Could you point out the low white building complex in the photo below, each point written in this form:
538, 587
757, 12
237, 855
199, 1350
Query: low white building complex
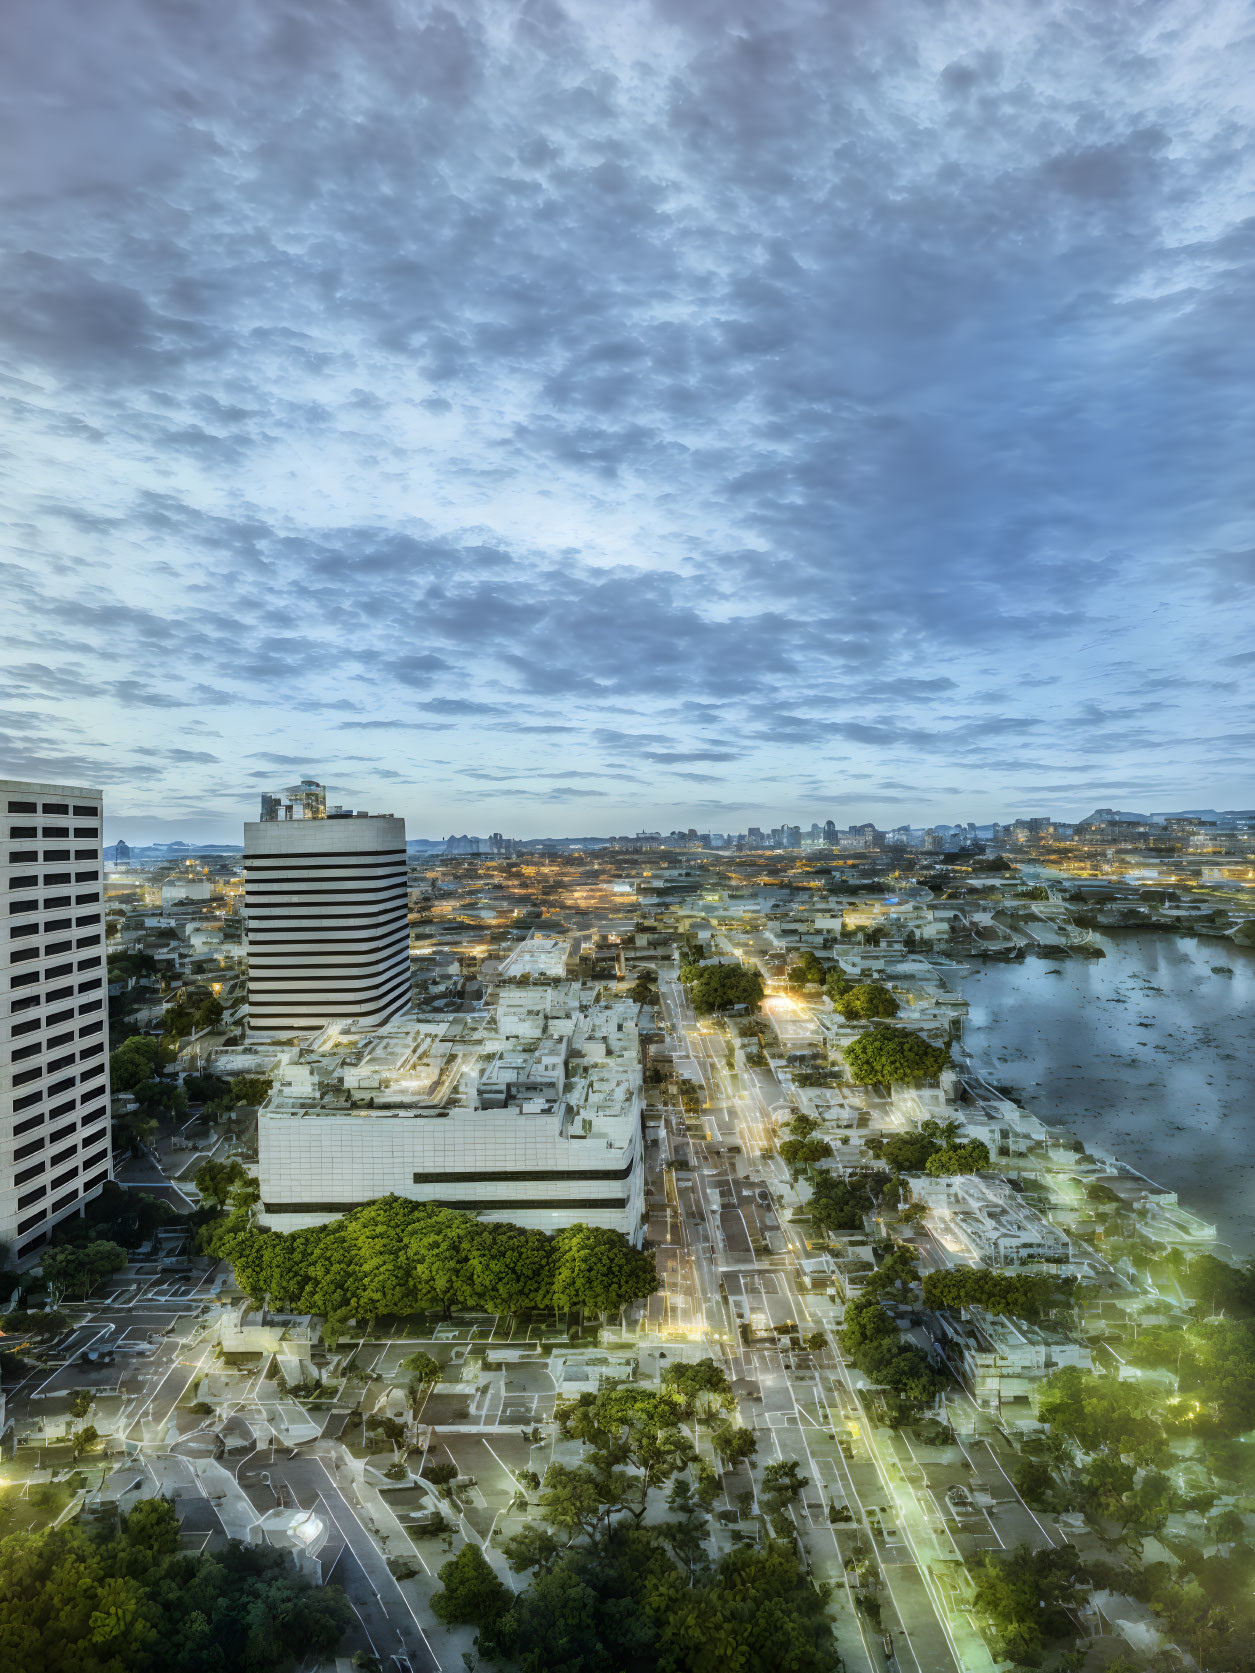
978, 1220
529, 1113
1001, 1359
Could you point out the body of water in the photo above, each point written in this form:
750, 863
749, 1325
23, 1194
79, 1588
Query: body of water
1147, 1054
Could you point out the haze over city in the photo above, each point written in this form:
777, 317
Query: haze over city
554, 419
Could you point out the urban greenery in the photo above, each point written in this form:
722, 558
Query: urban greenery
1023, 1295
865, 1002
613, 1593
72, 1601
1025, 1596
723, 987
399, 1257
893, 1056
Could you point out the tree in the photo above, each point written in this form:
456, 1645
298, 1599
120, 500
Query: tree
908, 1152
627, 1429
808, 968
702, 1386
865, 1002
423, 1369
1025, 1595
440, 1474
893, 1056
960, 1158
39, 1324
132, 967
1035, 1483
1105, 1481
204, 1089
216, 1180
838, 1204
836, 983
723, 987
160, 1099
136, 1060
530, 1548
800, 1154
1022, 1295
732, 1443
75, 1601
644, 990
1101, 1414
250, 1090
397, 1256
208, 1013
77, 1271
782, 1483
622, 1602
599, 1271
472, 1592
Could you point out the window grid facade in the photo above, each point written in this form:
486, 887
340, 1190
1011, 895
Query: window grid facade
54, 1073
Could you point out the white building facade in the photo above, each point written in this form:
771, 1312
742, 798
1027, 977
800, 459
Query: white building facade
54, 1070
328, 931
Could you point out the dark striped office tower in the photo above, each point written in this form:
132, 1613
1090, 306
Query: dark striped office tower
54, 1073
328, 934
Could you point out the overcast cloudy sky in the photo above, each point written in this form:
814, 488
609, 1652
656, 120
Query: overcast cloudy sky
562, 415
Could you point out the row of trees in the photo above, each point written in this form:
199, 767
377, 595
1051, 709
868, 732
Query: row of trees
1023, 1295
394, 1256
76, 1602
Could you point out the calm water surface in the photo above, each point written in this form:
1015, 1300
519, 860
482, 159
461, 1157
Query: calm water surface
1146, 1054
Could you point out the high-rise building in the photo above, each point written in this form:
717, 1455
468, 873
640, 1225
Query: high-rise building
328, 931
54, 1075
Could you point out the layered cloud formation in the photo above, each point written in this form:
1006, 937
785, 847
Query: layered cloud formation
548, 417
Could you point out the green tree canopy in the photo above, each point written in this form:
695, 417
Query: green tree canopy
865, 1002
958, 1158
250, 1090
702, 1386
72, 1601
807, 968
217, 1181
838, 1205
203, 1089
472, 1592
1022, 1295
1025, 1596
1102, 1414
75, 1270
893, 1056
402, 1257
136, 1060
721, 987
800, 1154
622, 1602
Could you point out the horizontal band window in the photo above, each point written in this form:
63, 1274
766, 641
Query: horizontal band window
471, 1206
542, 1176
316, 857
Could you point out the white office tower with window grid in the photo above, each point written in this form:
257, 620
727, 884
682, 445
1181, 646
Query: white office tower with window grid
328, 932
54, 1077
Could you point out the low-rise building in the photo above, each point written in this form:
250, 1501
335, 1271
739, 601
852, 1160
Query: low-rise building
531, 1114
1000, 1359
976, 1219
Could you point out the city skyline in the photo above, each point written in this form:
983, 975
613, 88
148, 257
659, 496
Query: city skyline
548, 421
